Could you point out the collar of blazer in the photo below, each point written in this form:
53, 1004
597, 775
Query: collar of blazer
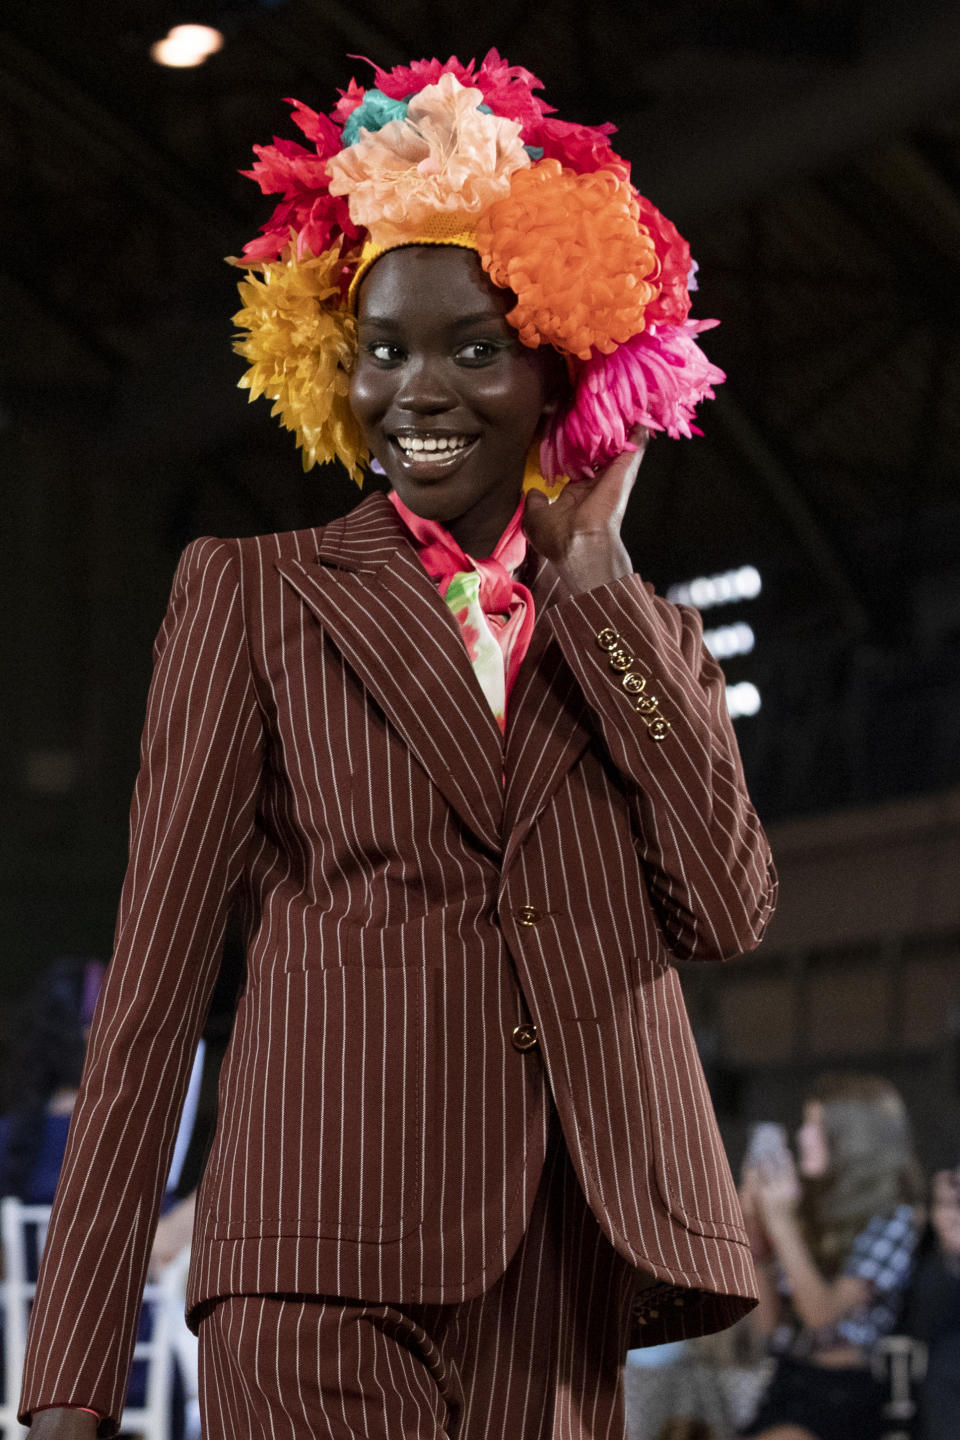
378, 605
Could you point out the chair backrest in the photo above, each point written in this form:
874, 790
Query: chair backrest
23, 1229
899, 1362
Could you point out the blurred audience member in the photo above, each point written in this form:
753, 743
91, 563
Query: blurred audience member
834, 1237
934, 1312
683, 1428
44, 1077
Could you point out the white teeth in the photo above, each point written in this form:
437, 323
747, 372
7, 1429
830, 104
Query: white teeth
447, 444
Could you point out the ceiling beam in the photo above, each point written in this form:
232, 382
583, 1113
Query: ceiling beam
693, 175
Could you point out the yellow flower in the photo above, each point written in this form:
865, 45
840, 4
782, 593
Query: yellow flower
300, 342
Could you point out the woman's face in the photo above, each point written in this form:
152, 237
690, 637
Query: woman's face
813, 1157
448, 398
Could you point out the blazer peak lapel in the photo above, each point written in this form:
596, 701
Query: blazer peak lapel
547, 720
376, 602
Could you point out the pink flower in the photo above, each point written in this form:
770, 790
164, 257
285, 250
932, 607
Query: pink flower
404, 80
672, 305
507, 89
348, 102
318, 128
656, 379
300, 177
582, 148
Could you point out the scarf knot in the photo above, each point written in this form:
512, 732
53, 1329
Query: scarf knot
494, 611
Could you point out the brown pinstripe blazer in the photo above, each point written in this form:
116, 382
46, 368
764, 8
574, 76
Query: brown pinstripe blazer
317, 747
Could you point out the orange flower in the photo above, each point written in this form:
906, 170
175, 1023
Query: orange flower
572, 249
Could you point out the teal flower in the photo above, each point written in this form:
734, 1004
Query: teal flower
376, 111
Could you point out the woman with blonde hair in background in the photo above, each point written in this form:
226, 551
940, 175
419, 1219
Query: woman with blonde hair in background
834, 1237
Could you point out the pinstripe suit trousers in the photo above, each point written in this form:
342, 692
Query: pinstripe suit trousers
537, 1357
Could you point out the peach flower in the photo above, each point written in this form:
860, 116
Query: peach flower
446, 156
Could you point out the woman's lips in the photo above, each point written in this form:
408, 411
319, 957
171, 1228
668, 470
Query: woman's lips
430, 464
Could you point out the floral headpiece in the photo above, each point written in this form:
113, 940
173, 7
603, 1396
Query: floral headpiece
451, 154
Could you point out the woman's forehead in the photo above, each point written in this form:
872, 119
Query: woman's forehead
442, 283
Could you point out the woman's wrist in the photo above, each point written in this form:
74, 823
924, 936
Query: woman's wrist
593, 560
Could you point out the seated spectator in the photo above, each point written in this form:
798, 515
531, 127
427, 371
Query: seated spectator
834, 1237
933, 1313
44, 1077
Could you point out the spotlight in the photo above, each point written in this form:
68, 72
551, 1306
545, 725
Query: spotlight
742, 699
187, 45
708, 590
729, 640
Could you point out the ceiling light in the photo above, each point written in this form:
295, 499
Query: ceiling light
187, 45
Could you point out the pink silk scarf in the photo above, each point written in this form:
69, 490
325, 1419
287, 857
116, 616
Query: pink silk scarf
493, 610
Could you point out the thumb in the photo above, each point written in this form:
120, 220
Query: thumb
536, 500
536, 504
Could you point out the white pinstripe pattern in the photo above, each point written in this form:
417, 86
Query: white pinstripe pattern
317, 744
538, 1355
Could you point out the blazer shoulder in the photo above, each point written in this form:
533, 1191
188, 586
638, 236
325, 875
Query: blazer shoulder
371, 526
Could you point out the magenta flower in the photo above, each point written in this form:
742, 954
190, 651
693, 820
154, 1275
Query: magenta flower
656, 379
583, 148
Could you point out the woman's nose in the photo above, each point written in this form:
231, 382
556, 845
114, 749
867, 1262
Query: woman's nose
423, 388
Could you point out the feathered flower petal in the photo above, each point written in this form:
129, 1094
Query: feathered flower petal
348, 102
582, 148
507, 89
573, 251
300, 342
376, 111
447, 156
318, 128
656, 379
672, 305
300, 176
405, 80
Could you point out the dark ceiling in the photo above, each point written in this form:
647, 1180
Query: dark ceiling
810, 151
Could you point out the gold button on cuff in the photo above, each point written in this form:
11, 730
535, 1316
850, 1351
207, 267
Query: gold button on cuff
620, 660
646, 704
528, 915
524, 1038
659, 728
634, 683
607, 638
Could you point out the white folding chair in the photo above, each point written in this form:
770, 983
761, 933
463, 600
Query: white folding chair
899, 1362
23, 1229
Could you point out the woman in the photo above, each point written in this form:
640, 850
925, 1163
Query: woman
836, 1239
471, 785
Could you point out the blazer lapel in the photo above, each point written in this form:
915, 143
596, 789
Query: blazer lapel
376, 602
547, 719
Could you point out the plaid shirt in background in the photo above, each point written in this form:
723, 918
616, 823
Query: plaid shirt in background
882, 1254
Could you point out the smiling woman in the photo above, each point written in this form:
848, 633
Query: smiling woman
448, 398
472, 785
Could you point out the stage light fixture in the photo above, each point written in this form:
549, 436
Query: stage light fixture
742, 699
187, 45
729, 640
723, 589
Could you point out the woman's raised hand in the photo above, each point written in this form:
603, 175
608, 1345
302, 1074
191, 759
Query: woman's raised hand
776, 1191
580, 530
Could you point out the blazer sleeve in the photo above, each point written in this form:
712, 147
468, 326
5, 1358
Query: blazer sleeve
658, 699
191, 819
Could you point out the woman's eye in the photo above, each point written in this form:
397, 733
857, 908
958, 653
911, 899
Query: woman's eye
479, 352
384, 352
